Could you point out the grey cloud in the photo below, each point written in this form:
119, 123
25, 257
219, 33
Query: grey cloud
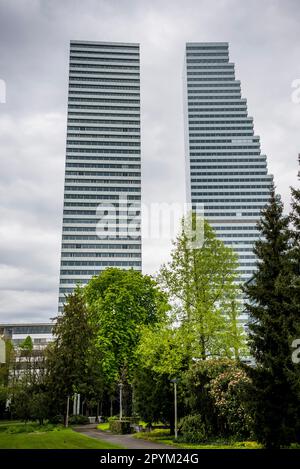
34, 45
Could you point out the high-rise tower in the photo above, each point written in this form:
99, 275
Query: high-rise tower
102, 192
226, 171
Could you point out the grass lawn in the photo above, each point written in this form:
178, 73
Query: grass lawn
7, 423
57, 438
103, 426
163, 436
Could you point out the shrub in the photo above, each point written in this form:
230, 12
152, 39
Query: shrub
216, 390
122, 427
57, 419
29, 428
196, 382
193, 429
78, 420
39, 406
15, 429
228, 391
21, 408
114, 417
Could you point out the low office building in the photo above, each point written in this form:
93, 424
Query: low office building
40, 333
30, 361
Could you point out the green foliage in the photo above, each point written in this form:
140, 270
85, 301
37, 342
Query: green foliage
39, 406
29, 401
293, 285
5, 367
164, 348
201, 284
21, 403
113, 417
3, 394
214, 389
56, 419
78, 420
61, 439
192, 429
229, 393
30, 428
122, 427
121, 302
27, 345
73, 360
271, 307
153, 396
162, 436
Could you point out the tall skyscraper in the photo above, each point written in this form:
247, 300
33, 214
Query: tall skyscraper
102, 192
226, 171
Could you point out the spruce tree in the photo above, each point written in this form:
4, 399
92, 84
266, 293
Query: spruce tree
271, 395
73, 359
294, 294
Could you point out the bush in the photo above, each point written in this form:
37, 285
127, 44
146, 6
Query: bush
197, 381
121, 427
193, 429
229, 393
20, 405
78, 420
29, 428
15, 429
39, 406
216, 390
57, 419
114, 417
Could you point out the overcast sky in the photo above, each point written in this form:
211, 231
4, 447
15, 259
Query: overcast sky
34, 46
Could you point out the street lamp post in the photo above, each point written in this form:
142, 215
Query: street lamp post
67, 413
175, 381
121, 397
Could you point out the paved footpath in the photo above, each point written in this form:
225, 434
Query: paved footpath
126, 441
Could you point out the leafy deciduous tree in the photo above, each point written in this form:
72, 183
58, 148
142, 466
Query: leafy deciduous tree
201, 283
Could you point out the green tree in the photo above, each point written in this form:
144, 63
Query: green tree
121, 302
25, 361
198, 398
153, 397
9, 361
21, 399
39, 406
229, 392
294, 282
293, 286
164, 348
27, 345
72, 359
270, 309
201, 283
3, 399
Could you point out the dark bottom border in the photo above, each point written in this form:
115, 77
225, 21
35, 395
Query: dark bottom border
137, 458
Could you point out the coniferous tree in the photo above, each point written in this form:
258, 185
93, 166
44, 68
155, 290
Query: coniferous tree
73, 360
293, 284
269, 306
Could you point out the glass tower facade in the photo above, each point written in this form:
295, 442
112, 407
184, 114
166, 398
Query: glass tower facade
102, 191
226, 171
